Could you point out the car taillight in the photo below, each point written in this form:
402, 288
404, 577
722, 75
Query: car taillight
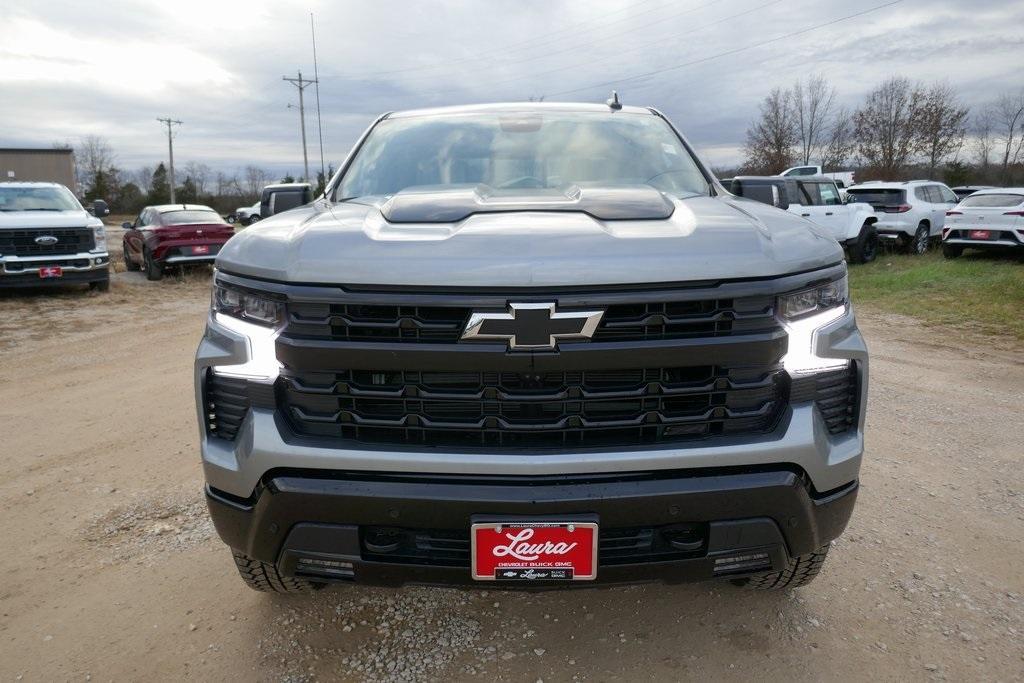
954, 213
902, 208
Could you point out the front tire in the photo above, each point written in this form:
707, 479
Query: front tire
264, 577
921, 241
251, 219
865, 248
800, 571
129, 265
154, 271
952, 250
100, 285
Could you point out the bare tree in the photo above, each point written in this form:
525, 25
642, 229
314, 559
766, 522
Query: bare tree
1008, 115
772, 138
255, 179
839, 144
885, 126
200, 175
812, 107
981, 132
93, 160
941, 124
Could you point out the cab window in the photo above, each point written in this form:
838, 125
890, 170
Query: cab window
811, 195
829, 194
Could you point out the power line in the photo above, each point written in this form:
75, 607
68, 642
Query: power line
792, 34
618, 53
514, 46
302, 83
316, 89
170, 148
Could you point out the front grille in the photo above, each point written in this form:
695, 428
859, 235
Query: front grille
451, 547
444, 324
23, 242
226, 401
588, 408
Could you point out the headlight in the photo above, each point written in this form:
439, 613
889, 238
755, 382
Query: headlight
810, 301
99, 236
246, 305
802, 314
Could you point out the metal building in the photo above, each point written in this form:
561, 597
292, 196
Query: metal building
52, 165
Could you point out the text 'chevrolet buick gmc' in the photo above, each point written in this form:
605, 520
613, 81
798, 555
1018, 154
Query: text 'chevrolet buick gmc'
530, 344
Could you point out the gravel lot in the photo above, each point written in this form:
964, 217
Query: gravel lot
112, 571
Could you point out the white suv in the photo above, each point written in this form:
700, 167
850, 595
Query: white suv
988, 219
910, 213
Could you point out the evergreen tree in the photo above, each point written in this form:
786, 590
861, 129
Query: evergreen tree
159, 188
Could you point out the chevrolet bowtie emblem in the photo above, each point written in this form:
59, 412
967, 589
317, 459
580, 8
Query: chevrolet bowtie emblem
532, 325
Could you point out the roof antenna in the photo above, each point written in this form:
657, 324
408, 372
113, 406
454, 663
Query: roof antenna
613, 101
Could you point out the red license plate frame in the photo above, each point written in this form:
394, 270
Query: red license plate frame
519, 551
201, 250
980, 234
46, 272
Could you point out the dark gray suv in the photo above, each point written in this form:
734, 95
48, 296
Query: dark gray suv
530, 344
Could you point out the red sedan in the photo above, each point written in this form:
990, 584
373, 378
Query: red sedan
173, 234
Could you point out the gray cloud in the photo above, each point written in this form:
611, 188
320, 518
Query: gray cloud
111, 69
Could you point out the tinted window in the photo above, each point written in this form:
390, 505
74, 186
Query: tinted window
811, 195
803, 170
921, 194
761, 192
994, 200
522, 151
947, 194
283, 201
189, 217
793, 193
829, 194
879, 197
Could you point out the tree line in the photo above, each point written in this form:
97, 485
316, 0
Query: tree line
900, 129
99, 177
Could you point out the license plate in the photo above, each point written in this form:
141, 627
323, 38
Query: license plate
534, 551
201, 249
51, 271
980, 234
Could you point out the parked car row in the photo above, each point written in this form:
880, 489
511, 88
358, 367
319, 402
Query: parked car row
910, 215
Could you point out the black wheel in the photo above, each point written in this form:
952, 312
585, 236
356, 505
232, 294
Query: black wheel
263, 577
231, 218
100, 285
952, 250
800, 571
251, 219
865, 248
154, 271
921, 241
128, 263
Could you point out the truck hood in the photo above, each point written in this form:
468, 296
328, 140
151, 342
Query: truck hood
48, 219
703, 238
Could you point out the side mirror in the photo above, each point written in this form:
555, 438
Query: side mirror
127, 226
100, 208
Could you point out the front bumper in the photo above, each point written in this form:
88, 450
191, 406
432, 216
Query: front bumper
316, 525
23, 271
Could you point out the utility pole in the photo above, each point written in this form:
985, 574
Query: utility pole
170, 149
302, 84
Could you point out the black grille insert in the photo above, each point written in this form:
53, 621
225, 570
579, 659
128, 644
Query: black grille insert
227, 401
588, 408
444, 324
23, 242
835, 394
450, 547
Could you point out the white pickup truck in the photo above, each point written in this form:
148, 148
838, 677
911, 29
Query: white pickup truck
843, 178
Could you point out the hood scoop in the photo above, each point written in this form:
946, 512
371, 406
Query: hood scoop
452, 204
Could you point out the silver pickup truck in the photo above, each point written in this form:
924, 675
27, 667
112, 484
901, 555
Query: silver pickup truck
530, 344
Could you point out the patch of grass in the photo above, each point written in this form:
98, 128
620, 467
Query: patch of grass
979, 291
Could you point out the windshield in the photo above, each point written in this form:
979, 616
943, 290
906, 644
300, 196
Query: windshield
527, 150
879, 196
188, 217
37, 199
1000, 200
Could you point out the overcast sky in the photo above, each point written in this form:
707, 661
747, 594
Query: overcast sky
70, 67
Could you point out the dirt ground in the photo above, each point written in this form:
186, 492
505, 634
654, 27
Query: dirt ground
111, 570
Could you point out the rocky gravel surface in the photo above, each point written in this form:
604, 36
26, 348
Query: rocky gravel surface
113, 572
